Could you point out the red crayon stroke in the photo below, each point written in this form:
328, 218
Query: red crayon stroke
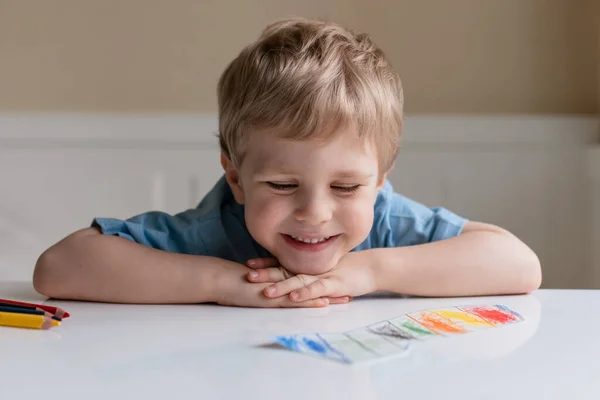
493, 315
437, 323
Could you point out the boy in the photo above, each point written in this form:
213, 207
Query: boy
310, 119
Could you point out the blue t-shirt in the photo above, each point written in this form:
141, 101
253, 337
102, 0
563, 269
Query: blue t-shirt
216, 227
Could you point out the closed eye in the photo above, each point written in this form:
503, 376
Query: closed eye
346, 189
282, 186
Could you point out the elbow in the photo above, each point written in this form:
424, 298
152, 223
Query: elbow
526, 272
531, 278
54, 274
47, 274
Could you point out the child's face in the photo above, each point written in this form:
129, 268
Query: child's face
306, 202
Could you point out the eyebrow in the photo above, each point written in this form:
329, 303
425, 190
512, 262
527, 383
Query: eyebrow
352, 174
337, 175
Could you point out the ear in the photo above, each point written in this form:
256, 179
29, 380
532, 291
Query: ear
381, 180
383, 177
232, 175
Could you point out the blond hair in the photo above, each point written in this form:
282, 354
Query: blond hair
307, 79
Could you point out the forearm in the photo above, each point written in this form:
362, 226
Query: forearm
473, 263
95, 267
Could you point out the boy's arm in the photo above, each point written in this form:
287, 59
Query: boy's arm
87, 265
90, 266
483, 260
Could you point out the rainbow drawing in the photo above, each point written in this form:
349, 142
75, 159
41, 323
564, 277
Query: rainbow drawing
393, 337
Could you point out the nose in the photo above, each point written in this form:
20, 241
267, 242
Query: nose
314, 209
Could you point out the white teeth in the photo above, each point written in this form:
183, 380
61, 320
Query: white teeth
311, 241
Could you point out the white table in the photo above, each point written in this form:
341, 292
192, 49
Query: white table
106, 351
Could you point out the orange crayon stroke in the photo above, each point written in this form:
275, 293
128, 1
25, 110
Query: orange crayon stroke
437, 323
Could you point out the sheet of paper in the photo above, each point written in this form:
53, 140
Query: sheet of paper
393, 337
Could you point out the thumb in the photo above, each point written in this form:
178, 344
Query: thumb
259, 263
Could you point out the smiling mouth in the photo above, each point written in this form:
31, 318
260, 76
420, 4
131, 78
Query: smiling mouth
313, 244
310, 240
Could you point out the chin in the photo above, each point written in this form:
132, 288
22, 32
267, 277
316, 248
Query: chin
310, 268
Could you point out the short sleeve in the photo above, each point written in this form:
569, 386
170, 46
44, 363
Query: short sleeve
159, 230
400, 221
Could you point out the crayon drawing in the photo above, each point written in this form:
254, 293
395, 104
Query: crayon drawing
436, 323
494, 315
403, 326
393, 337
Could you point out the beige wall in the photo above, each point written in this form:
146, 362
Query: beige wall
459, 56
492, 56
596, 12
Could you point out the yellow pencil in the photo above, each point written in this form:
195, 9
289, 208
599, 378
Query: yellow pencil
32, 321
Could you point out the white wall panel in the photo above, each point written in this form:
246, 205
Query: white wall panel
527, 174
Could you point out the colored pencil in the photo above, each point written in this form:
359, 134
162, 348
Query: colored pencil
59, 312
27, 321
23, 310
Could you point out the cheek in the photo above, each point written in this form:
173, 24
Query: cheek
263, 215
357, 217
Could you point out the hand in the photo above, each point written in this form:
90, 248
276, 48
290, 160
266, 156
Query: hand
232, 289
268, 270
352, 276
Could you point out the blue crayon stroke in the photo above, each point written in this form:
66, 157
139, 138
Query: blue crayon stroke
315, 346
288, 342
302, 344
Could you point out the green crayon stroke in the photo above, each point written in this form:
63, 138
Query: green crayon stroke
416, 329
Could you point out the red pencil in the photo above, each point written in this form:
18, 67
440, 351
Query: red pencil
59, 312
